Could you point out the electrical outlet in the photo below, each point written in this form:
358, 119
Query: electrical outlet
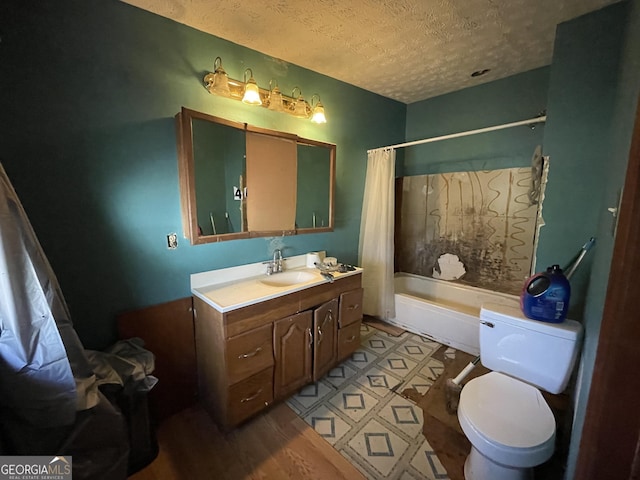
172, 241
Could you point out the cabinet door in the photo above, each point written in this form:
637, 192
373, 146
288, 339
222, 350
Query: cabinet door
249, 397
292, 340
348, 340
325, 328
350, 307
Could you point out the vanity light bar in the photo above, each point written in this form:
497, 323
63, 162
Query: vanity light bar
219, 83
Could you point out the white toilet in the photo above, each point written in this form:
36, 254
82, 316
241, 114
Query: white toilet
503, 414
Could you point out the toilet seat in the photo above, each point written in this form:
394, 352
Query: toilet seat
507, 420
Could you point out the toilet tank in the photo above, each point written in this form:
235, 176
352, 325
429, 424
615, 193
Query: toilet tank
540, 353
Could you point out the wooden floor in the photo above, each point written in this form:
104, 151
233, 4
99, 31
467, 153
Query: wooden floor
279, 445
274, 445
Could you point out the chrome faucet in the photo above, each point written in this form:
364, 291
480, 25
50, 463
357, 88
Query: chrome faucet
277, 261
276, 265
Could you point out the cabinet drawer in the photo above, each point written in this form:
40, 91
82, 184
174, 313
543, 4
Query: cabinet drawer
249, 353
250, 396
348, 340
350, 307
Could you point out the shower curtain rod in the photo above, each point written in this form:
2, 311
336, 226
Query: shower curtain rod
530, 121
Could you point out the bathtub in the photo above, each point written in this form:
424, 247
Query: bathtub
443, 311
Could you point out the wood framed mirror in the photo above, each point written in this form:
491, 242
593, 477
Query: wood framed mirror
241, 181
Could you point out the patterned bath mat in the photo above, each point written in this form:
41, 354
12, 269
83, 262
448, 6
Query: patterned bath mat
358, 409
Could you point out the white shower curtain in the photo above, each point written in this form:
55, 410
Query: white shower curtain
45, 374
376, 234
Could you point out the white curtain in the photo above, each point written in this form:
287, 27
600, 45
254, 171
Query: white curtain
44, 370
376, 234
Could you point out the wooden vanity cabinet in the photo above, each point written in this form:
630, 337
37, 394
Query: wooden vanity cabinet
249, 357
235, 374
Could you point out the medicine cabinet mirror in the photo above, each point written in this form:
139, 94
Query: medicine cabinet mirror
241, 181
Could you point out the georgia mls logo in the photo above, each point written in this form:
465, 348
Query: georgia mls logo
59, 465
35, 468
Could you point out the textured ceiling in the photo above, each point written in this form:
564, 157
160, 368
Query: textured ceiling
407, 50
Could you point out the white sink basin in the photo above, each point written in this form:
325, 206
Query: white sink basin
287, 279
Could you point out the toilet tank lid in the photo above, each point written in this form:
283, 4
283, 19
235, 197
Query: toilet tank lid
512, 315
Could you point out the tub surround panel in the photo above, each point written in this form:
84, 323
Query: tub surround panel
486, 218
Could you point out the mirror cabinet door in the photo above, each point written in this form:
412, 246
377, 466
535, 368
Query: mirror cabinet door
313, 203
219, 166
271, 183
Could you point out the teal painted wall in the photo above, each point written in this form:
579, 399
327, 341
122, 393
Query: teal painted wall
89, 93
581, 100
511, 99
590, 92
614, 144
90, 89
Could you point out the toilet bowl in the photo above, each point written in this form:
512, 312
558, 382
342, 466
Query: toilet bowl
503, 413
510, 426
